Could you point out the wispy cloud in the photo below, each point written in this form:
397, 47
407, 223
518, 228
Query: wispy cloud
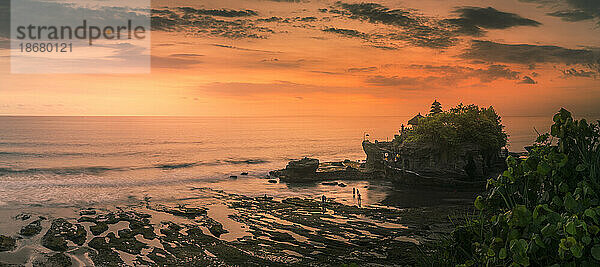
571, 10
526, 53
202, 22
443, 76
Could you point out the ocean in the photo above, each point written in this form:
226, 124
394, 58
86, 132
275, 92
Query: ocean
79, 161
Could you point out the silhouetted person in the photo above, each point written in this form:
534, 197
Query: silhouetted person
359, 200
470, 168
353, 192
324, 199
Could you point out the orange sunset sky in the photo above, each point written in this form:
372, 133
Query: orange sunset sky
315, 57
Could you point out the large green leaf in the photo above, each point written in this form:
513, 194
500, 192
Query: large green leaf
570, 203
596, 252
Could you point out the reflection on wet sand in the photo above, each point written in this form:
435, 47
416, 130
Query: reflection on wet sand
291, 226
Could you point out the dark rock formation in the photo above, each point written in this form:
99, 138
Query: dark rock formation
420, 163
309, 170
7, 243
182, 211
376, 155
301, 170
56, 260
125, 243
23, 217
104, 255
215, 228
32, 229
62, 230
99, 228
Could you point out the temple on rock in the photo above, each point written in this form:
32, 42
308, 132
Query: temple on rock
415, 161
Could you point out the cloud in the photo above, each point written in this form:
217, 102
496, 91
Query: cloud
244, 49
571, 15
485, 75
365, 69
579, 73
423, 31
472, 20
416, 29
219, 12
347, 32
444, 76
572, 10
526, 53
396, 81
527, 80
202, 22
380, 41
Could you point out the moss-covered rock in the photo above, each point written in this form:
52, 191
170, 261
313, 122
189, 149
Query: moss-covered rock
99, 228
56, 260
62, 230
32, 229
7, 243
104, 255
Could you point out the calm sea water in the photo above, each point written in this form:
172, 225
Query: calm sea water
82, 160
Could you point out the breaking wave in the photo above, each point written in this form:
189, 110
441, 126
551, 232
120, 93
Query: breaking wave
99, 170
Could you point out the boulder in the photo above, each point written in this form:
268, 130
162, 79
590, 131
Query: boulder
301, 170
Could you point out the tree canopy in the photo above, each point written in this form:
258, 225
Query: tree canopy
459, 125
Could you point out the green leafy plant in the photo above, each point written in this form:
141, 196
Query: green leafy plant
543, 210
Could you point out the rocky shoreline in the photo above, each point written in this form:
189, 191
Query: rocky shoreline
311, 170
225, 229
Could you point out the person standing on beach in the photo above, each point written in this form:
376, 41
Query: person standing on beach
353, 192
359, 200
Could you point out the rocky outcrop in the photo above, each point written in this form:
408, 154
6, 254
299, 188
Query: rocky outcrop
411, 163
303, 167
310, 170
301, 170
376, 154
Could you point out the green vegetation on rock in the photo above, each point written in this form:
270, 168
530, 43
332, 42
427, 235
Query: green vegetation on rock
458, 126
